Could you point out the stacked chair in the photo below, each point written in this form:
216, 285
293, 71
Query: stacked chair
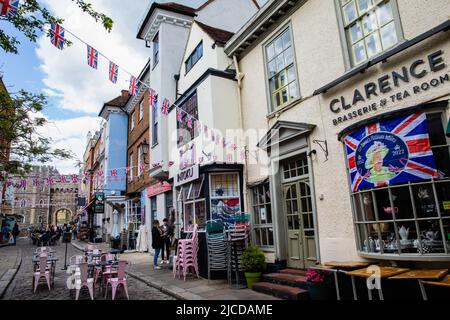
186, 258
217, 248
238, 237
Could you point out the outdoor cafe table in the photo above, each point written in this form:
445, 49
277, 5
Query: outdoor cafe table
52, 259
420, 275
384, 272
336, 266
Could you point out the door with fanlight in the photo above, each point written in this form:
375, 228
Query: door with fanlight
299, 215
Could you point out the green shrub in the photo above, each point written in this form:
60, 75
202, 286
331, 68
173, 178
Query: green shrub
253, 259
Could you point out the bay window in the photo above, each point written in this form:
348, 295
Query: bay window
408, 214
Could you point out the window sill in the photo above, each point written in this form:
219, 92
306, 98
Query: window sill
284, 108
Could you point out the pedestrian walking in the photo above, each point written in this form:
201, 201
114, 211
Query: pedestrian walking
166, 234
15, 233
157, 243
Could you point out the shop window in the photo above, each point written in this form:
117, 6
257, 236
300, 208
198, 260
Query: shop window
370, 27
186, 129
194, 205
401, 186
169, 203
131, 165
262, 215
134, 214
139, 164
281, 70
154, 209
225, 196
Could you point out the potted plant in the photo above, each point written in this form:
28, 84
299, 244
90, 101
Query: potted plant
254, 262
320, 284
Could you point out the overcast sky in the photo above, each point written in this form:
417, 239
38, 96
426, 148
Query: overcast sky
76, 91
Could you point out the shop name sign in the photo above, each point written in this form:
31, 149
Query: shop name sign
187, 175
386, 84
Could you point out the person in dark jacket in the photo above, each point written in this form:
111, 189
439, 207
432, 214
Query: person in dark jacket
157, 242
15, 232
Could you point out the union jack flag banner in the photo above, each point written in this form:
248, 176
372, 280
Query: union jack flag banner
57, 35
189, 121
152, 98
166, 106
92, 57
134, 86
113, 72
390, 152
8, 8
179, 116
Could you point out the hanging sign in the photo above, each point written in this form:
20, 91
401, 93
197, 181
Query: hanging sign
390, 152
158, 188
187, 175
99, 205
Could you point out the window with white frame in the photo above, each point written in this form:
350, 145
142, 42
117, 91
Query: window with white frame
132, 120
370, 27
194, 205
281, 70
141, 110
139, 165
154, 126
156, 50
131, 166
225, 196
262, 215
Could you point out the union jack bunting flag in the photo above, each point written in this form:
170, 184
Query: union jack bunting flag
166, 106
189, 121
134, 86
390, 152
113, 72
114, 172
57, 35
179, 116
8, 8
74, 178
152, 98
62, 179
92, 57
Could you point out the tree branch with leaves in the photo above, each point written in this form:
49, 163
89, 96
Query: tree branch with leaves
32, 17
21, 144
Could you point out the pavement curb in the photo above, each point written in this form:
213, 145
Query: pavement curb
180, 295
9, 275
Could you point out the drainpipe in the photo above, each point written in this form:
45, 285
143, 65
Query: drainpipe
239, 77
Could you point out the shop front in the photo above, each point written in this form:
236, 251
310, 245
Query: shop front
211, 192
392, 128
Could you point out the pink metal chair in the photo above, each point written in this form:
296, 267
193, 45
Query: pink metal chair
84, 281
186, 258
121, 279
43, 272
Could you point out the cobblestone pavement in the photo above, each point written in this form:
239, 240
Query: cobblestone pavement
8, 257
20, 288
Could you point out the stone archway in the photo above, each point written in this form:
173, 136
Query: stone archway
62, 216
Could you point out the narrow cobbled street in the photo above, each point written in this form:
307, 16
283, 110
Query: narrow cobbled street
21, 286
